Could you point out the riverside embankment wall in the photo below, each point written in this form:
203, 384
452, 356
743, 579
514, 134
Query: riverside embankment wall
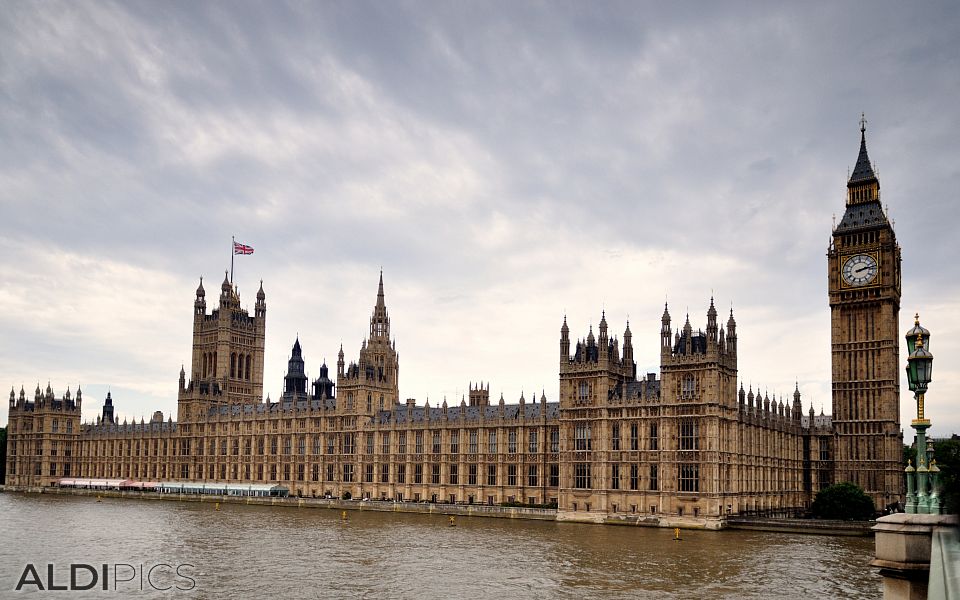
801, 526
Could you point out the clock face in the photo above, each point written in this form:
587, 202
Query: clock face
860, 269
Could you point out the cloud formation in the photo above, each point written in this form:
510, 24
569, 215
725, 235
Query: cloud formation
505, 164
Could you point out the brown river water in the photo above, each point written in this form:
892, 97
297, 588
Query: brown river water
243, 551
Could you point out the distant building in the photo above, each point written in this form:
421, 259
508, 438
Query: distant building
693, 443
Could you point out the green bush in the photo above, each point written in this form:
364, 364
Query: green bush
844, 501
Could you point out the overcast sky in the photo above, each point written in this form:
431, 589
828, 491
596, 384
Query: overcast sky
505, 164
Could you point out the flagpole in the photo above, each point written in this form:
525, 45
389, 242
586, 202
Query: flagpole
233, 246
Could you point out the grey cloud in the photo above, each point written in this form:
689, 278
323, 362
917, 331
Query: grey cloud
483, 150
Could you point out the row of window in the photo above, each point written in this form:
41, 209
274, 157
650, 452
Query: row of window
342, 443
688, 478
55, 449
436, 474
27, 425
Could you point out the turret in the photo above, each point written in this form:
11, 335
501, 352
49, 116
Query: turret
295, 381
797, 407
666, 343
261, 306
604, 340
628, 347
108, 409
479, 395
200, 304
711, 325
742, 396
731, 334
183, 381
226, 290
13, 397
564, 341
340, 362
323, 387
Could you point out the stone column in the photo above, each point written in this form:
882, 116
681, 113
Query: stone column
903, 552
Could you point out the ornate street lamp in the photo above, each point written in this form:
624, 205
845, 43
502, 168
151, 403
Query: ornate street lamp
922, 497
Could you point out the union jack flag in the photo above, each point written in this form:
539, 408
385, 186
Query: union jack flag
239, 248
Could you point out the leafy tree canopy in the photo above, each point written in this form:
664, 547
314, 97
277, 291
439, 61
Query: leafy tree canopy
843, 501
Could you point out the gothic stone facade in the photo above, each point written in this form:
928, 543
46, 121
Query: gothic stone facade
688, 444
691, 443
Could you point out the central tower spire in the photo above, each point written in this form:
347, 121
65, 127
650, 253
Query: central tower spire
370, 383
380, 320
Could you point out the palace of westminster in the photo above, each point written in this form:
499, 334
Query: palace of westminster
690, 442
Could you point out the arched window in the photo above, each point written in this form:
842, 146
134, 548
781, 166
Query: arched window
583, 391
233, 364
247, 369
689, 387
239, 366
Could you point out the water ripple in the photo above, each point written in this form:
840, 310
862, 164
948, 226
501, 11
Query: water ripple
253, 552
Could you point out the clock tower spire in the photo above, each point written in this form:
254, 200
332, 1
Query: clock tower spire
863, 268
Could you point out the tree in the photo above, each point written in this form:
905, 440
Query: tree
947, 455
843, 501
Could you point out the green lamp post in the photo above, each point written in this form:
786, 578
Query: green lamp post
921, 493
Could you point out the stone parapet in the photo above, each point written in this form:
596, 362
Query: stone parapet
903, 552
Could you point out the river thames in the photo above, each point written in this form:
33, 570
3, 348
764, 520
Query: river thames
256, 552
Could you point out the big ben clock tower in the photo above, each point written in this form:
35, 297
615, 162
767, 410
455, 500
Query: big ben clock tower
864, 283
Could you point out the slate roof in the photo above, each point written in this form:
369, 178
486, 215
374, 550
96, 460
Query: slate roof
862, 216
863, 171
283, 405
471, 413
135, 427
645, 387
